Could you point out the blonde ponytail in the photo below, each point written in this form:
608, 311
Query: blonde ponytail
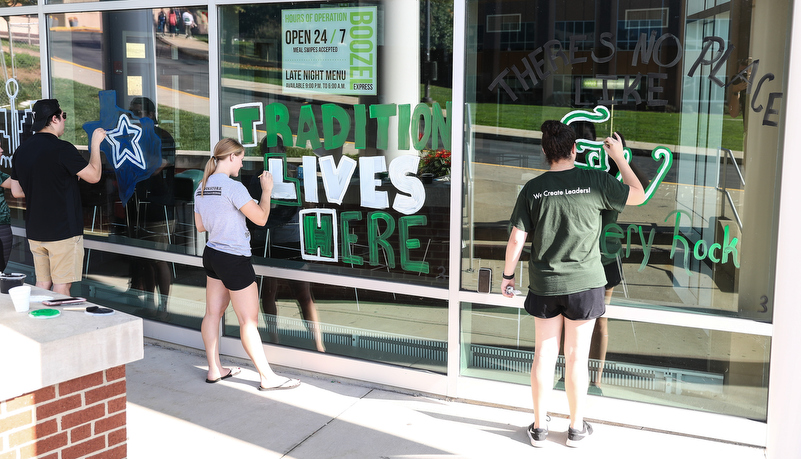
224, 148
211, 166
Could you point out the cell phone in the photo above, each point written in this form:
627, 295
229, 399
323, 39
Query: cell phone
63, 301
484, 280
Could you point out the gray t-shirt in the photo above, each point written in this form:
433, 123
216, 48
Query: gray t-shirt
219, 209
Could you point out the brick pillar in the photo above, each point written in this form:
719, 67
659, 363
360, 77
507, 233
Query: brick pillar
80, 418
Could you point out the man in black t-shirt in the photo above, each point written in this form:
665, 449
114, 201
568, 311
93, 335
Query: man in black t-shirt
45, 171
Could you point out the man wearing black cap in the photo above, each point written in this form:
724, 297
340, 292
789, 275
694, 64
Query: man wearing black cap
44, 172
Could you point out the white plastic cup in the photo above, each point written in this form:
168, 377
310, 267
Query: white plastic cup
21, 297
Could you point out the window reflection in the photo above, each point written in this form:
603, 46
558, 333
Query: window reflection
8, 3
22, 86
149, 89
333, 144
399, 329
142, 286
705, 370
697, 244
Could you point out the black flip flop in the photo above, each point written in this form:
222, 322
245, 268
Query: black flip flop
231, 373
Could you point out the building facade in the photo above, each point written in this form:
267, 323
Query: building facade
399, 133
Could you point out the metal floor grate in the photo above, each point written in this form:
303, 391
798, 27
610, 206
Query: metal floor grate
392, 343
668, 380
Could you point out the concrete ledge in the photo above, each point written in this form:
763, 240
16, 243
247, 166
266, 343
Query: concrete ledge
42, 352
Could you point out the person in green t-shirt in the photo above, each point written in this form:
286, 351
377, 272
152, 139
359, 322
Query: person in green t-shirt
610, 248
6, 237
561, 209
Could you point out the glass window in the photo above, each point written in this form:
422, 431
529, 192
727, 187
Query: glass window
353, 120
161, 76
698, 101
146, 287
691, 95
18, 3
694, 368
149, 90
22, 86
148, 87
402, 330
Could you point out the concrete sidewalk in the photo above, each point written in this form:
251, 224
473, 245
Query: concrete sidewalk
173, 413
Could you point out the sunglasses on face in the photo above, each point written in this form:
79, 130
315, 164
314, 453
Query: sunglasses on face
62, 115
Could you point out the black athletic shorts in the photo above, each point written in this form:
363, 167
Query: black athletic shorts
235, 271
585, 305
612, 271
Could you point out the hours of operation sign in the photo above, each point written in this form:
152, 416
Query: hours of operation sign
330, 50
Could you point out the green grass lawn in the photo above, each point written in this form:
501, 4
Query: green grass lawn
644, 126
28, 76
653, 127
193, 129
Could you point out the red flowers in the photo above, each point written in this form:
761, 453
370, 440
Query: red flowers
437, 162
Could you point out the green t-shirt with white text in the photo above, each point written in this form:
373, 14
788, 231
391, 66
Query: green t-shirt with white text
561, 212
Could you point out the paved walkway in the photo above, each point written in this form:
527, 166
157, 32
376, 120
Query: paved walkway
172, 412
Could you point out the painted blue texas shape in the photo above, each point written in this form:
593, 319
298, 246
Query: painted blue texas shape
133, 151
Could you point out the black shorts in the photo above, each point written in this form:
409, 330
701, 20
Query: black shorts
585, 305
235, 271
612, 271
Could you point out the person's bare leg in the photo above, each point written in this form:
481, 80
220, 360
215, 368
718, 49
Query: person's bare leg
163, 279
246, 307
63, 289
44, 284
269, 290
309, 312
600, 340
600, 343
217, 300
578, 335
548, 333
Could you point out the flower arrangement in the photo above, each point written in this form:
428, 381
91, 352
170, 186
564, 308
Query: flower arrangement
436, 162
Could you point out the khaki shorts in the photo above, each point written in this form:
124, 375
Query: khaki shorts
59, 262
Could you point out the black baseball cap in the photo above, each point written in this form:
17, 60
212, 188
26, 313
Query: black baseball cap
42, 111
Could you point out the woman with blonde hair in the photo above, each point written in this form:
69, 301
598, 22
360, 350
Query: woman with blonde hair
221, 207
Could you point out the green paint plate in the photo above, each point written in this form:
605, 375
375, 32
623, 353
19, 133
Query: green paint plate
44, 313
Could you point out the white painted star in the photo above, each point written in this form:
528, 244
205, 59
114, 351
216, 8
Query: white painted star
125, 141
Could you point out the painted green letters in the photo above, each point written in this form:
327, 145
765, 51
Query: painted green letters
307, 128
406, 243
246, 117
277, 122
382, 113
360, 126
420, 139
349, 238
415, 126
701, 249
440, 126
377, 238
319, 238
404, 118
331, 113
